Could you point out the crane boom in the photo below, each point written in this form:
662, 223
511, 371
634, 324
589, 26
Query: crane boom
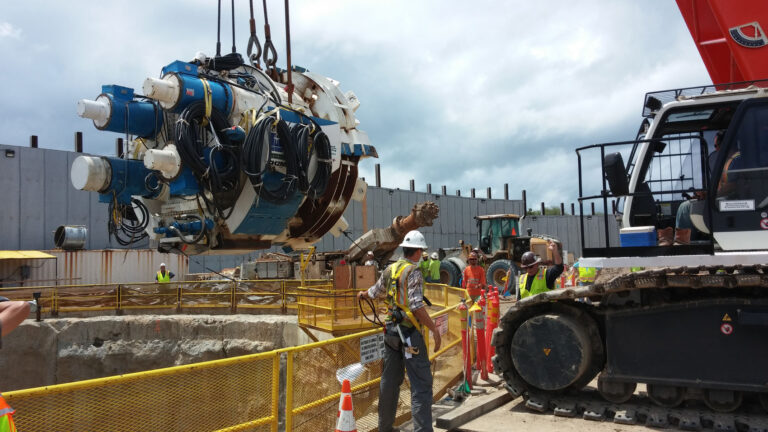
730, 37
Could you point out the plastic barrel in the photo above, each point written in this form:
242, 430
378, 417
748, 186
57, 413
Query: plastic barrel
70, 237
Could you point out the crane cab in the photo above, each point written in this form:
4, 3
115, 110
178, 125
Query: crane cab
701, 154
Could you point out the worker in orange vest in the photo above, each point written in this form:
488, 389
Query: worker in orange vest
474, 277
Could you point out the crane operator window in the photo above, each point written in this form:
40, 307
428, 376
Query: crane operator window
744, 173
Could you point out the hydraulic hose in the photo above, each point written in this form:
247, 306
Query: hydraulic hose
308, 143
124, 224
199, 236
322, 147
216, 165
258, 158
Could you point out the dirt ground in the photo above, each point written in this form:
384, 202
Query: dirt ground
514, 416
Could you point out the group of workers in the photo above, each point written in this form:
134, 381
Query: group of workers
401, 285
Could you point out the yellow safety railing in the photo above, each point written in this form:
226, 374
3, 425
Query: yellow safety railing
274, 294
312, 400
240, 393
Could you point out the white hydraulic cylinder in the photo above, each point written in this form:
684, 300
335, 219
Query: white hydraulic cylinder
167, 161
164, 90
96, 110
90, 173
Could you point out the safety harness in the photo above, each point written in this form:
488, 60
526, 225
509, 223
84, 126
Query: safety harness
397, 294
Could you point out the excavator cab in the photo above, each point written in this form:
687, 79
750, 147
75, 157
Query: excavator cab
497, 231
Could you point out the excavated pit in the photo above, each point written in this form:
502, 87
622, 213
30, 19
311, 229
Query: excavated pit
62, 350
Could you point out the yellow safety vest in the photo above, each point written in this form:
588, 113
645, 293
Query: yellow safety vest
397, 291
539, 284
636, 269
164, 278
587, 274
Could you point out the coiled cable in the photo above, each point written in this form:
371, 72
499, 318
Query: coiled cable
311, 140
124, 224
216, 164
258, 158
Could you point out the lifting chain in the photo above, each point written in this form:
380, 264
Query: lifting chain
254, 58
270, 54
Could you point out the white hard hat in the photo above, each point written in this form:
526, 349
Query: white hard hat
434, 255
370, 253
414, 239
162, 264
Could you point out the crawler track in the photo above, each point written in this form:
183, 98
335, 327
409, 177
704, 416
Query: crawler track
589, 405
648, 291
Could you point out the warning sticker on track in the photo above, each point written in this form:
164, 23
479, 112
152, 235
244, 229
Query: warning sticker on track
726, 317
764, 223
547, 351
726, 329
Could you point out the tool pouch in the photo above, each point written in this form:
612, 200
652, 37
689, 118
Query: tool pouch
392, 339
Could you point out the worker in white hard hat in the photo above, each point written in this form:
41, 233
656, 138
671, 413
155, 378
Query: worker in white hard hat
163, 276
434, 269
370, 260
402, 285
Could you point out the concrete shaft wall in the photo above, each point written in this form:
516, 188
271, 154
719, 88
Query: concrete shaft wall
56, 351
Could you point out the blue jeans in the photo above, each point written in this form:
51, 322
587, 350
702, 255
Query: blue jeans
420, 377
683, 218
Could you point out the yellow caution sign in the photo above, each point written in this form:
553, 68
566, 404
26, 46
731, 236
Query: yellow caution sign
726, 317
547, 351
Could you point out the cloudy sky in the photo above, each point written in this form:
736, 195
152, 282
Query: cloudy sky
458, 93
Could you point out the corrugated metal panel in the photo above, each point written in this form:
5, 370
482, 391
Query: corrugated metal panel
9, 196
56, 186
41, 272
31, 203
116, 266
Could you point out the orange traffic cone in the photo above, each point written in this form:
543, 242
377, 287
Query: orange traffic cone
346, 422
346, 389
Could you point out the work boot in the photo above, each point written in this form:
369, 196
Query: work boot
666, 236
682, 236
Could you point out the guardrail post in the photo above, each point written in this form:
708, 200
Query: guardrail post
55, 303
283, 297
275, 391
233, 297
289, 391
179, 287
119, 296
